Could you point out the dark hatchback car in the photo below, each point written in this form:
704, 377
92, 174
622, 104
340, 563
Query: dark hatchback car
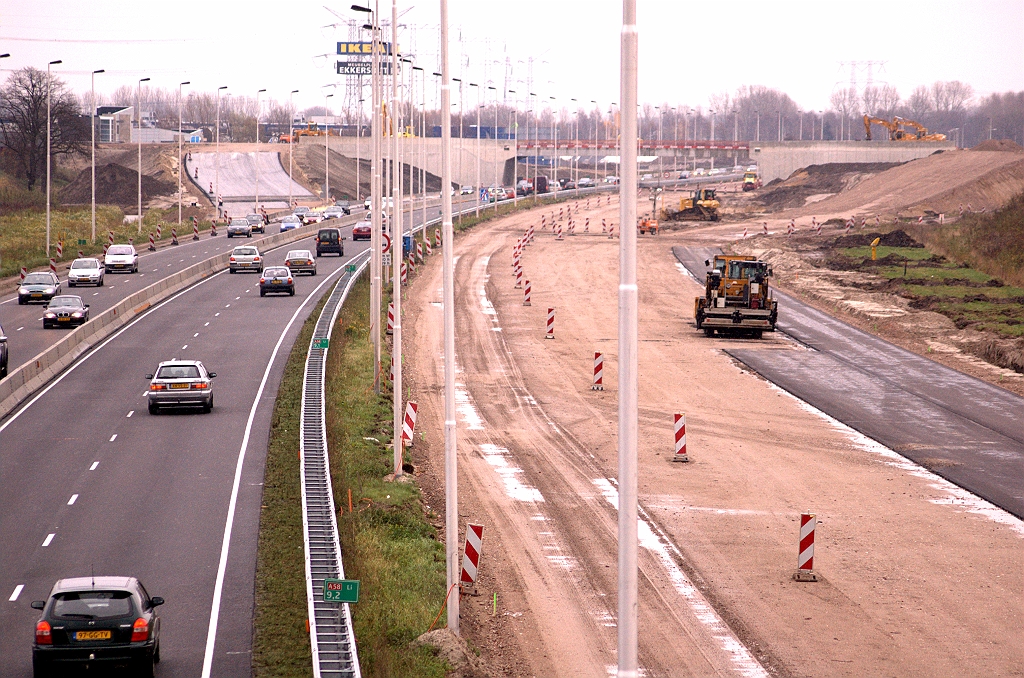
97, 625
277, 279
67, 310
330, 241
38, 287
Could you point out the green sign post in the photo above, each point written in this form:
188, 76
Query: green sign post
341, 590
322, 342
351, 268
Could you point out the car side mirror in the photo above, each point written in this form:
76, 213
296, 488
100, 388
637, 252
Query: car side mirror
156, 600
707, 262
213, 375
38, 604
87, 305
3, 338
149, 376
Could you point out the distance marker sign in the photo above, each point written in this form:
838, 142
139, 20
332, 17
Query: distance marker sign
341, 590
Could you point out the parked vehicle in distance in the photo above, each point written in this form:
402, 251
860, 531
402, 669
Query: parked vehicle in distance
41, 286
180, 383
97, 624
386, 203
121, 258
3, 353
699, 172
277, 279
300, 261
290, 222
85, 271
256, 222
330, 240
586, 182
715, 172
239, 227
66, 310
362, 230
685, 174
465, 190
245, 258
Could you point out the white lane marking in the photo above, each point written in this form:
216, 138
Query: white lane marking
130, 413
155, 270
184, 347
94, 465
17, 592
74, 498
215, 315
113, 437
227, 306
95, 294
218, 587
145, 393
205, 325
20, 329
49, 538
237, 298
195, 335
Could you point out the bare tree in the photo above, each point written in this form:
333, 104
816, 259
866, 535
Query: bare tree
920, 102
957, 95
888, 99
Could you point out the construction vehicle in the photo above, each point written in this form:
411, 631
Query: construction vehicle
648, 225
898, 131
751, 181
310, 130
702, 205
737, 298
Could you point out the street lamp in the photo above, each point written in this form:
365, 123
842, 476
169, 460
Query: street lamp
92, 120
139, 117
576, 151
180, 166
327, 138
423, 140
757, 136
473, 84
48, 119
291, 144
779, 113
216, 171
495, 146
554, 170
258, 92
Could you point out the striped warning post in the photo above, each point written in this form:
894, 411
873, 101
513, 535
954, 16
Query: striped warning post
81, 254
572, 226
110, 237
152, 243
543, 222
604, 226
419, 251
576, 208
598, 372
789, 229
195, 230
471, 555
558, 233
174, 236
920, 220
680, 435
405, 274
391, 318
159, 232
519, 277
529, 235
586, 225
744, 231
805, 558
588, 203
560, 213
611, 231
437, 237
106, 246
526, 293
53, 265
60, 249
213, 228
863, 222
765, 228
427, 248
24, 272
391, 370
412, 263
551, 324
409, 423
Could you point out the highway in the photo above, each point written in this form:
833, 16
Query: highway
966, 430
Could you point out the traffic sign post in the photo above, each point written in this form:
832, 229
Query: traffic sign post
385, 243
350, 268
322, 342
387, 259
341, 590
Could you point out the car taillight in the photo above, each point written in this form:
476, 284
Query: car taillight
157, 387
255, 258
200, 385
140, 630
263, 280
318, 241
232, 259
43, 633
289, 281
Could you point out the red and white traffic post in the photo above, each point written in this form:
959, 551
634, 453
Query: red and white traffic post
60, 249
24, 272
519, 277
598, 372
526, 293
680, 437
419, 251
81, 254
152, 243
391, 318
437, 237
586, 225
213, 228
551, 324
427, 247
174, 235
53, 265
110, 238
765, 227
471, 555
159, 233
805, 554
409, 423
405, 274
558, 232
195, 229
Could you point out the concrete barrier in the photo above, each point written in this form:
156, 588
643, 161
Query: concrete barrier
31, 376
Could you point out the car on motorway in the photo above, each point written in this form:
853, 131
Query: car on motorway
465, 190
256, 222
699, 172
180, 383
715, 172
245, 258
330, 241
685, 174
290, 222
65, 310
345, 205
97, 625
121, 258
277, 279
3, 353
301, 211
86, 271
611, 180
586, 182
41, 286
239, 227
362, 230
385, 202
313, 217
300, 261
334, 212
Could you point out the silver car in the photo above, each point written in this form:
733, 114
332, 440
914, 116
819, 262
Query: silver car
180, 383
39, 286
121, 258
245, 258
290, 222
300, 261
85, 272
239, 227
256, 222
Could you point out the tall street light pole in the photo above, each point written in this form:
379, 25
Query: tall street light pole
291, 145
327, 157
258, 93
181, 167
628, 390
515, 150
92, 120
397, 239
139, 117
478, 186
574, 168
757, 135
49, 119
554, 124
216, 170
496, 182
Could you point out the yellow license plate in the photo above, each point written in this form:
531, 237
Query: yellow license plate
276, 282
64, 320
37, 296
180, 385
92, 635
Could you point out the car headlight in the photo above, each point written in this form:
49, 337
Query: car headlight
49, 290
49, 315
76, 314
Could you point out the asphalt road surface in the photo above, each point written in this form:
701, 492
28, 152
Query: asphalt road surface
961, 428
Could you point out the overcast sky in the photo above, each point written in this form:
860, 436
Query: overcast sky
688, 50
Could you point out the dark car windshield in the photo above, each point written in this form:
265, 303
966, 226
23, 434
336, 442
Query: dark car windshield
65, 301
178, 372
92, 604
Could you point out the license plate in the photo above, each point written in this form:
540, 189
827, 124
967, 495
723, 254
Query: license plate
37, 296
243, 264
63, 320
92, 635
180, 385
276, 282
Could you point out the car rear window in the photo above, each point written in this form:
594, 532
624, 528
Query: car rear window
299, 254
331, 235
276, 273
245, 251
178, 372
92, 604
57, 302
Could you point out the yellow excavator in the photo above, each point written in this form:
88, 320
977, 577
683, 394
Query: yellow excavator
702, 205
898, 129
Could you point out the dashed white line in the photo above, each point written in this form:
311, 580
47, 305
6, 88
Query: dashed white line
237, 298
195, 335
206, 325
20, 329
95, 294
217, 314
130, 413
74, 498
226, 306
184, 347
49, 538
17, 592
113, 437
94, 465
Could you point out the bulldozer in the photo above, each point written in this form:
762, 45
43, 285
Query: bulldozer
702, 205
737, 298
898, 129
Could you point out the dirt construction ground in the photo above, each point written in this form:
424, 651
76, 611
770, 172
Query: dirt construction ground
918, 578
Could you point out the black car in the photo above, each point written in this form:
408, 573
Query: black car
330, 240
277, 279
41, 286
3, 353
66, 310
99, 625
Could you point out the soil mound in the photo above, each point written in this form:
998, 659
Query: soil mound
999, 145
115, 185
815, 180
897, 238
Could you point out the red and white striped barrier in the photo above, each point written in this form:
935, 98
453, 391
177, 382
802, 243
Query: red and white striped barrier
106, 246
409, 424
863, 222
60, 249
961, 209
152, 243
412, 263
792, 225
526, 293
586, 225
213, 228
604, 226
81, 254
471, 555
419, 251
551, 324
576, 208
24, 272
680, 437
920, 220
878, 221
529, 235
572, 227
437, 237
789, 229
765, 228
174, 236
405, 274
391, 370
195, 230
611, 231
817, 229
53, 265
805, 558
391, 318
558, 233
598, 372
560, 213
744, 231
519, 277
159, 232
427, 248
110, 237
543, 222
